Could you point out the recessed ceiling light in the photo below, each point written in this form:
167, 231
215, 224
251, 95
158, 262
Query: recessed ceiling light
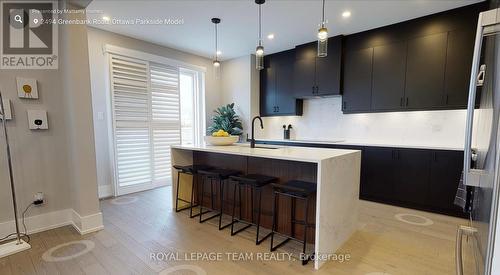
219, 52
346, 14
270, 36
105, 18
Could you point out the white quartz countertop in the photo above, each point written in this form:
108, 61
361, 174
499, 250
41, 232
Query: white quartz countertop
305, 154
361, 143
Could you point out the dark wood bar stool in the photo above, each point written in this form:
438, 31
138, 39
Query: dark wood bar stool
294, 189
188, 170
217, 176
255, 182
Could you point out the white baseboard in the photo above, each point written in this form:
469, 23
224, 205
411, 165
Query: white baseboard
105, 191
87, 224
55, 219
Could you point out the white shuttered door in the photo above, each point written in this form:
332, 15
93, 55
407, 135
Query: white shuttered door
146, 120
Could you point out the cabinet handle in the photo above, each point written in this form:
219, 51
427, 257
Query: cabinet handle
274, 109
401, 102
278, 109
406, 101
446, 102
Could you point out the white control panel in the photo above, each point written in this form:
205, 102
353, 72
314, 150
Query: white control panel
37, 120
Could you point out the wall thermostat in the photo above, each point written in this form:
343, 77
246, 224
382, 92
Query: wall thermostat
37, 120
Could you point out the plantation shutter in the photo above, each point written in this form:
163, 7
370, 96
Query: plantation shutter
165, 109
146, 117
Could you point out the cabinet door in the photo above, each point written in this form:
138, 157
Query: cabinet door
304, 70
412, 176
425, 71
267, 91
357, 80
377, 173
389, 63
446, 169
286, 103
328, 69
458, 68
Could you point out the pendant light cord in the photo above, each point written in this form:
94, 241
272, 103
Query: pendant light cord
260, 27
216, 46
323, 15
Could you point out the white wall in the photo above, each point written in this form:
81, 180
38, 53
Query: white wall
99, 70
324, 120
60, 161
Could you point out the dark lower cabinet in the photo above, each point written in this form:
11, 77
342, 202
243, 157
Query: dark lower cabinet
423, 179
377, 177
412, 175
445, 172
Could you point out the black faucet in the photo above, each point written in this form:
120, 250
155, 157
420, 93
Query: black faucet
252, 140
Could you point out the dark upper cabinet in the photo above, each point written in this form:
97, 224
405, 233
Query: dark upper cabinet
276, 88
305, 70
420, 64
458, 68
388, 85
328, 69
268, 92
412, 175
425, 70
318, 76
286, 103
357, 80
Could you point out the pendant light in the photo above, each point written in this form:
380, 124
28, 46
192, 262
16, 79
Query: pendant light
323, 36
259, 51
216, 62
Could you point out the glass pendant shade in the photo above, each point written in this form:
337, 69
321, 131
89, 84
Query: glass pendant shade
259, 58
217, 68
322, 42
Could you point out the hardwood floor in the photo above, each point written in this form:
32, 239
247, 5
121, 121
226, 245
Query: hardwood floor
148, 225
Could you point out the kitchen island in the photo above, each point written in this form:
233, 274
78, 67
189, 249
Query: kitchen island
335, 171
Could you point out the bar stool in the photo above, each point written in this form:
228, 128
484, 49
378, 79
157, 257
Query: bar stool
254, 182
188, 170
218, 176
294, 189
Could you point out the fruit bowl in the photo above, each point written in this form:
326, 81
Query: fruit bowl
221, 141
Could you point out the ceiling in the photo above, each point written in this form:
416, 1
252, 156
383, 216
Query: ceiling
293, 22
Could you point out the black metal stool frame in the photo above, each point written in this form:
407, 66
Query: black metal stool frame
221, 192
305, 198
259, 211
194, 183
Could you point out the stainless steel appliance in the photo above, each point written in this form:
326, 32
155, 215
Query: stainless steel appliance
482, 151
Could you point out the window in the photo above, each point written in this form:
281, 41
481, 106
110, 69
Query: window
154, 106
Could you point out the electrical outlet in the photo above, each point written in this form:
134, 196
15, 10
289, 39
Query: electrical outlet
39, 198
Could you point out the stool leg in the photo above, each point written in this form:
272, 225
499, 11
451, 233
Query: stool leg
177, 192
236, 185
259, 213
306, 260
251, 203
239, 198
212, 202
273, 229
192, 196
202, 195
293, 203
221, 201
